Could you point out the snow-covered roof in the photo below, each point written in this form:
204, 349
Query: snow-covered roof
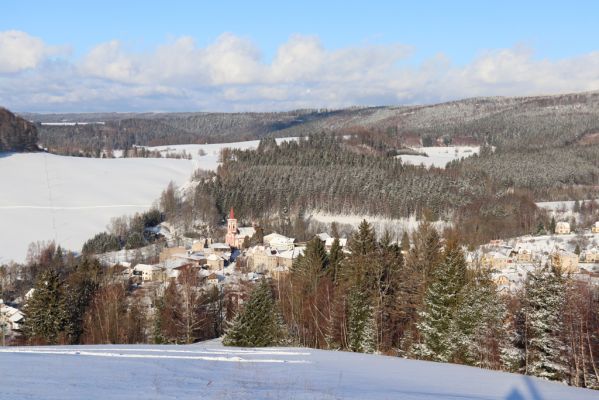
342, 242
276, 238
146, 267
220, 246
323, 236
248, 231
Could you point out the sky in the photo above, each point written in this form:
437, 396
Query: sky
87, 56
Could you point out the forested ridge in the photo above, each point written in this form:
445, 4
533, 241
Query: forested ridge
321, 173
508, 122
16, 134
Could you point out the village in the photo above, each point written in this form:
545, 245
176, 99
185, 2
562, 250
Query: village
236, 263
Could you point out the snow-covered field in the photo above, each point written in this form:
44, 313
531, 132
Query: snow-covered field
210, 371
439, 156
69, 199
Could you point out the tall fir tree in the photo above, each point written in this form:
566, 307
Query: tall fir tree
259, 323
439, 328
544, 298
44, 311
361, 330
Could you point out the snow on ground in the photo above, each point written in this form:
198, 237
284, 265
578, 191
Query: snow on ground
394, 226
206, 155
70, 199
210, 371
439, 156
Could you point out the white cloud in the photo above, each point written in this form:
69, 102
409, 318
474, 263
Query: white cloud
20, 51
230, 74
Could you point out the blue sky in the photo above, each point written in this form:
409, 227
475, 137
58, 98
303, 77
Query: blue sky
411, 52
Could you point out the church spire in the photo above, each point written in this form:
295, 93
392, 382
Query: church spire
231, 214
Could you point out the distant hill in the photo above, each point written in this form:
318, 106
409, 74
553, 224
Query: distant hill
507, 122
16, 133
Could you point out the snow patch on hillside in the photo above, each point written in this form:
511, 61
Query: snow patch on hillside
439, 156
381, 224
206, 156
209, 370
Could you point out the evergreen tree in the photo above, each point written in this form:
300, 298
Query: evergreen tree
405, 241
335, 258
439, 327
313, 263
44, 316
552, 226
361, 324
259, 323
544, 298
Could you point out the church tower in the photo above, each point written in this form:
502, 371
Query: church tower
231, 238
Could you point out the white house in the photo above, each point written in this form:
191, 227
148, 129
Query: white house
328, 244
10, 321
278, 241
595, 228
148, 272
562, 228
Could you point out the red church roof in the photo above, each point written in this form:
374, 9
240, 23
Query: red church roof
232, 214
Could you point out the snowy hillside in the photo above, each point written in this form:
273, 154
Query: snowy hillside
210, 371
206, 155
70, 199
439, 156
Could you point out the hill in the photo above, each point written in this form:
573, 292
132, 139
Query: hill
16, 134
209, 370
510, 122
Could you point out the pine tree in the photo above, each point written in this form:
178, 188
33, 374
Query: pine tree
44, 311
552, 226
544, 298
259, 323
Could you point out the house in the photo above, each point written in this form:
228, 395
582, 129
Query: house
590, 256
279, 242
524, 256
215, 262
266, 259
220, 249
10, 321
149, 273
197, 258
235, 234
494, 260
169, 252
562, 228
323, 236
212, 279
328, 244
595, 228
564, 260
201, 245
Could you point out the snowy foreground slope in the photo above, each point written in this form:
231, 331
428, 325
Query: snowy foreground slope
210, 371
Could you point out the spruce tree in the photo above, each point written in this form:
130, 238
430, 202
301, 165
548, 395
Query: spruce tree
259, 323
544, 298
44, 311
439, 329
360, 322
